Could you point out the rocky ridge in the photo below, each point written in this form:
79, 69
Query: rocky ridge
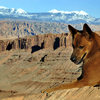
15, 28
35, 43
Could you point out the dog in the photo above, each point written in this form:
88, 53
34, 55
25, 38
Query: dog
86, 50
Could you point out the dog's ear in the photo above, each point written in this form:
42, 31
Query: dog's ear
87, 31
72, 30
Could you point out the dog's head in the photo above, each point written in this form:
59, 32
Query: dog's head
81, 43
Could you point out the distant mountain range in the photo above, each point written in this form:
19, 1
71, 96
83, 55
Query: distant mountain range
72, 17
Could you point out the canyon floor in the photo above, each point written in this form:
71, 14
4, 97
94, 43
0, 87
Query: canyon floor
24, 74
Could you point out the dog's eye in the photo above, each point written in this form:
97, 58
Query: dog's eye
81, 47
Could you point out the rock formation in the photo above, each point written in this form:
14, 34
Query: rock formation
36, 42
15, 28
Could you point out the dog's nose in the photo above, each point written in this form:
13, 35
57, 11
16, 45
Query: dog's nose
73, 59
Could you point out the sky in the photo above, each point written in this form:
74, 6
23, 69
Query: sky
92, 7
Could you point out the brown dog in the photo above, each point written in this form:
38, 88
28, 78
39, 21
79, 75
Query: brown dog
86, 49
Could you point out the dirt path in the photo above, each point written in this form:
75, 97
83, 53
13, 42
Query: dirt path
6, 58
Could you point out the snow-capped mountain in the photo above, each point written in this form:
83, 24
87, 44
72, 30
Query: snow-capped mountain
7, 11
50, 16
69, 12
72, 16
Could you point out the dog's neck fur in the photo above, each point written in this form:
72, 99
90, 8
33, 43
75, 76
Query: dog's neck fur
95, 48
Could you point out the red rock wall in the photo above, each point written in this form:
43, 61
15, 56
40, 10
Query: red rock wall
46, 41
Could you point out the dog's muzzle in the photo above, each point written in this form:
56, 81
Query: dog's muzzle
75, 60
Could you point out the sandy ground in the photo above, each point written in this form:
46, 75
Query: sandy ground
23, 75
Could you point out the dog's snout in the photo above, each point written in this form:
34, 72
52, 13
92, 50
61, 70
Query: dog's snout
73, 59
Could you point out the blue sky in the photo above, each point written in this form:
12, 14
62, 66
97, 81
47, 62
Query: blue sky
92, 7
